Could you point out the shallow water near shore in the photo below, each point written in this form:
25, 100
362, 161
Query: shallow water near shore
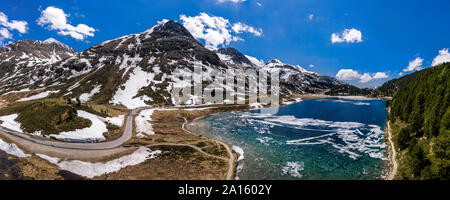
328, 138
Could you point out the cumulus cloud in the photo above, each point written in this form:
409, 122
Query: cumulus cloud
415, 64
21, 26
216, 31
348, 35
5, 34
379, 75
347, 74
311, 16
443, 57
350, 74
55, 19
6, 26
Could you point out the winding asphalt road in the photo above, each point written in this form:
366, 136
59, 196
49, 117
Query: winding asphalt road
127, 134
393, 171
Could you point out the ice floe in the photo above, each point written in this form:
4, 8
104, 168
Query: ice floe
127, 93
351, 138
143, 122
118, 120
293, 169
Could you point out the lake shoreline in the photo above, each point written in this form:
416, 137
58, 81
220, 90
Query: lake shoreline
190, 126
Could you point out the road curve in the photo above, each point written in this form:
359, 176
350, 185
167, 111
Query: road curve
127, 134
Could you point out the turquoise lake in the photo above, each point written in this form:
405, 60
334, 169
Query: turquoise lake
332, 138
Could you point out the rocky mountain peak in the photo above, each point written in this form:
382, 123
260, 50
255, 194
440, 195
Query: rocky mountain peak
233, 56
274, 61
170, 28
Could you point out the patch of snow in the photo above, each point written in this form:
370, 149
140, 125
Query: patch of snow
94, 133
85, 97
38, 96
90, 170
12, 149
9, 122
118, 121
127, 96
140, 135
204, 108
293, 169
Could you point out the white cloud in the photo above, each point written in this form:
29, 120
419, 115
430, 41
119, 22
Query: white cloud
56, 19
6, 26
5, 34
233, 1
443, 57
350, 74
216, 31
365, 78
21, 26
259, 4
311, 66
311, 16
400, 74
347, 74
380, 75
415, 64
348, 35
241, 27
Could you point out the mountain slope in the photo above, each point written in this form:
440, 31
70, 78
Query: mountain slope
136, 70
421, 115
391, 87
293, 78
23, 62
142, 69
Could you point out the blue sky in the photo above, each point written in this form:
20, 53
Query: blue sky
393, 33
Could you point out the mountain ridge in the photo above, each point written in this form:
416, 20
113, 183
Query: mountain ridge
138, 69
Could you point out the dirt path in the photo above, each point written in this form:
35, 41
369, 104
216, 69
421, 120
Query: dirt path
393, 154
230, 152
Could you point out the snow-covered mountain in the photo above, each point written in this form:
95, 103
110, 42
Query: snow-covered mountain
293, 78
137, 69
22, 62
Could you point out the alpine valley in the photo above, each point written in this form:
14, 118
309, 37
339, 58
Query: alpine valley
107, 113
